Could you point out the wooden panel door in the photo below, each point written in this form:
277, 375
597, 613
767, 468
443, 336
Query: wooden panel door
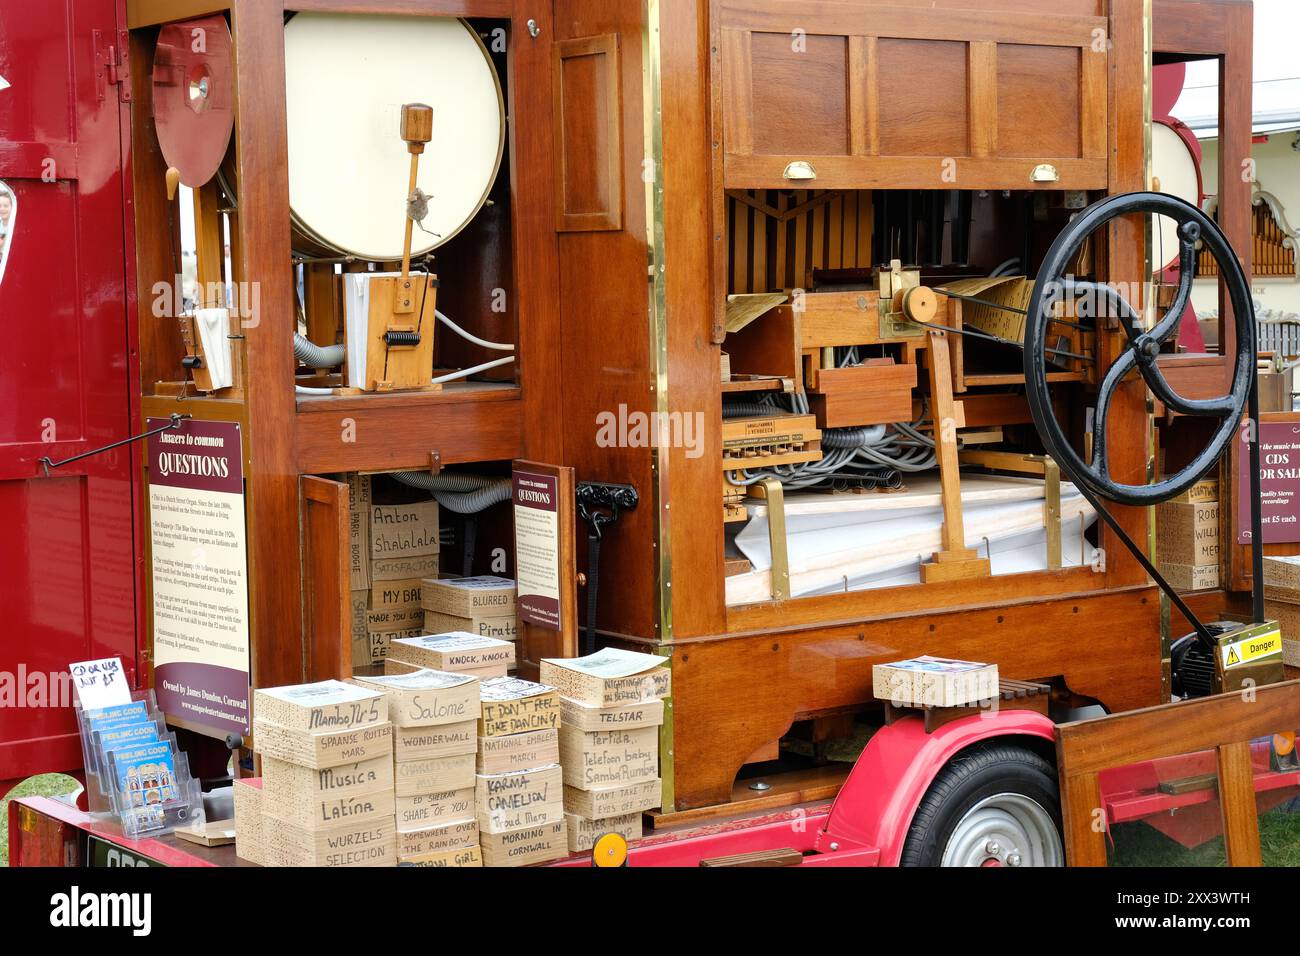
835, 95
69, 586
327, 580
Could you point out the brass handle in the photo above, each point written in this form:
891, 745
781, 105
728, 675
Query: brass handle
1045, 173
799, 170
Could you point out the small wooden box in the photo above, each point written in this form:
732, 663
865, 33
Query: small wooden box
877, 393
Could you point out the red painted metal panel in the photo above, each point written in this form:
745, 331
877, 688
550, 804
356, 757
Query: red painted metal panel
43, 832
68, 579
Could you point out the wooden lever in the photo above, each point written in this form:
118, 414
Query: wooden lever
417, 129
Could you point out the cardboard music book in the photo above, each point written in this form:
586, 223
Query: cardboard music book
404, 531
440, 740
507, 752
315, 812
455, 835
325, 748
426, 810
282, 780
519, 800
409, 567
250, 843
427, 697
646, 713
604, 802
539, 844
512, 705
583, 833
465, 856
502, 628
608, 758
609, 677
482, 596
458, 652
934, 682
434, 774
372, 843
326, 705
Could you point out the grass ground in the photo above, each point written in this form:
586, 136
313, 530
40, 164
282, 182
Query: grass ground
1139, 845
46, 785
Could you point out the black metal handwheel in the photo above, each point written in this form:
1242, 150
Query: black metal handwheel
1054, 286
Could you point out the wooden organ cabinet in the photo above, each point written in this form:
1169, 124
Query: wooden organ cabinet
687, 184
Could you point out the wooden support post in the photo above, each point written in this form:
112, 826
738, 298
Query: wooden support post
1085, 844
954, 560
1237, 804
209, 249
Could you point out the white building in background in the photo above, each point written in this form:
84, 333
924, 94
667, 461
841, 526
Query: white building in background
1276, 152
1277, 176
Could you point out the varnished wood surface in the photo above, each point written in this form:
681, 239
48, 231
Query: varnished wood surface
275, 604
342, 434
602, 335
1221, 28
327, 614
1004, 93
588, 127
1225, 723
1237, 805
1185, 727
144, 13
427, 8
803, 671
157, 227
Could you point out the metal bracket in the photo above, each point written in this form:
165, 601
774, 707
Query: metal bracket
776, 540
46, 464
596, 495
893, 324
435, 463
600, 504
1052, 512
112, 63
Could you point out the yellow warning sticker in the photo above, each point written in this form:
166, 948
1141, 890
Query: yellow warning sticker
1251, 648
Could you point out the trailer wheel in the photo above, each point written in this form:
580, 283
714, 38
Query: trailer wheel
997, 805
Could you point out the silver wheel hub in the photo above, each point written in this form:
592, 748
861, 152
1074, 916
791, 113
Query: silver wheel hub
1005, 829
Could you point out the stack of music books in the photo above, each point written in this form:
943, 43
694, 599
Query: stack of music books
327, 782
611, 710
518, 787
483, 605
435, 722
458, 652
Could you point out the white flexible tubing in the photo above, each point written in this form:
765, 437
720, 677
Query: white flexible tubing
309, 390
452, 376
497, 346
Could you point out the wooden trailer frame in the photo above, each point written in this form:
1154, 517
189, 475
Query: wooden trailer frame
633, 175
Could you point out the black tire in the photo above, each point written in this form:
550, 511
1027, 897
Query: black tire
972, 776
